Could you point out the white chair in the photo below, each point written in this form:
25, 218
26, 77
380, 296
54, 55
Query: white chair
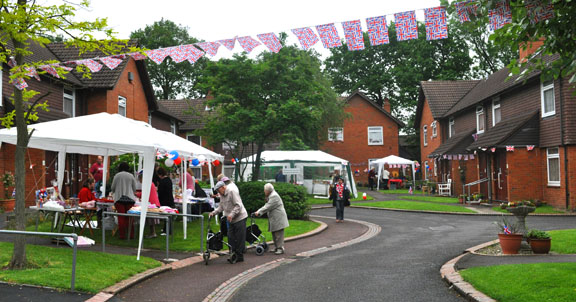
445, 189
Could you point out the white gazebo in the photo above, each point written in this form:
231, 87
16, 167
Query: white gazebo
394, 160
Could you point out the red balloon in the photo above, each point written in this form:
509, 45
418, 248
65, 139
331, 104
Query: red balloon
216, 163
178, 160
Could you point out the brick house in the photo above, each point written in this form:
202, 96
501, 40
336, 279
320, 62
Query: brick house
370, 133
485, 119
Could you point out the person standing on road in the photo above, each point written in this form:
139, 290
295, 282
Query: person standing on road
277, 218
340, 198
371, 178
233, 208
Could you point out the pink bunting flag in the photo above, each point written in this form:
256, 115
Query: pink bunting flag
228, 43
530, 147
445, 156
510, 148
354, 35
193, 53
179, 53
248, 43
492, 150
435, 21
537, 11
329, 35
91, 64
157, 55
306, 37
406, 28
211, 48
111, 62
50, 70
465, 156
271, 41
500, 15
377, 30
464, 9
137, 56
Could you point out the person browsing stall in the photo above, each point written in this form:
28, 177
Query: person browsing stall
277, 218
123, 188
96, 172
86, 194
165, 195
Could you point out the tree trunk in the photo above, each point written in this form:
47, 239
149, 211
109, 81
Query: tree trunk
257, 162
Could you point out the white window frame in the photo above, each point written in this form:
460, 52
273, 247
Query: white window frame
496, 105
172, 126
192, 134
229, 145
434, 129
435, 168
425, 135
544, 87
122, 104
195, 170
425, 170
451, 127
69, 97
336, 134
376, 129
480, 118
549, 156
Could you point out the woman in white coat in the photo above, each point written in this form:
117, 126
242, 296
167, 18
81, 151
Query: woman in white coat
277, 218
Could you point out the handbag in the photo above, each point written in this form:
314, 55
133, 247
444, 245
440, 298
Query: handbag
125, 199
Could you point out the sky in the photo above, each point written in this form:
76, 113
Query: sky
225, 19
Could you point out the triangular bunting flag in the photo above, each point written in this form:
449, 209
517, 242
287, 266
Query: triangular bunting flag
377, 30
510, 148
211, 48
530, 147
465, 156
32, 72
500, 16
493, 150
329, 35
471, 156
248, 43
111, 62
228, 43
435, 21
50, 70
192, 53
91, 64
537, 11
306, 37
157, 55
406, 28
271, 41
354, 35
19, 83
137, 56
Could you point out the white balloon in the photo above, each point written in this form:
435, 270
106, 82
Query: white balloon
169, 163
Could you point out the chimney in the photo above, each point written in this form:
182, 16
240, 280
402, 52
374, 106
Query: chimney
386, 105
529, 48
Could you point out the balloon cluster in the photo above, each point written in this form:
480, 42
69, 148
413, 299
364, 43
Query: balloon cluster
173, 159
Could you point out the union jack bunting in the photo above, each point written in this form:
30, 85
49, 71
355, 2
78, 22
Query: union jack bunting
157, 55
50, 70
465, 156
91, 64
19, 83
475, 136
450, 157
354, 35
530, 147
31, 72
110, 62
436, 27
539, 12
228, 43
193, 53
377, 30
329, 35
445, 156
493, 150
248, 43
471, 156
211, 48
464, 9
406, 28
306, 37
177, 53
510, 148
271, 41
500, 16
137, 56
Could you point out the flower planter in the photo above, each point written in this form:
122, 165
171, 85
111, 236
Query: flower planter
7, 204
540, 246
510, 243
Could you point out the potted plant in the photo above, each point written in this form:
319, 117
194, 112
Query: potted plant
539, 241
510, 239
8, 202
462, 198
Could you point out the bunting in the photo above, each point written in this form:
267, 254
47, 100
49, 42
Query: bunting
157, 55
406, 28
464, 9
211, 48
354, 35
248, 43
178, 54
530, 147
492, 150
50, 70
271, 41
475, 136
91, 64
111, 62
537, 11
19, 83
193, 53
471, 156
465, 156
137, 56
329, 35
510, 148
435, 21
377, 30
500, 15
228, 43
306, 37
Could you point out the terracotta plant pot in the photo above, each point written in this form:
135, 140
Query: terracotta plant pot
7, 204
510, 243
540, 246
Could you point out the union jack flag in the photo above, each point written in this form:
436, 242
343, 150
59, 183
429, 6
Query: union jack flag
50, 70
31, 72
539, 12
157, 55
91, 64
228, 43
464, 9
500, 16
271, 41
329, 35
111, 62
19, 83
507, 230
211, 48
493, 150
510, 148
377, 30
248, 43
530, 147
436, 27
306, 37
406, 28
354, 35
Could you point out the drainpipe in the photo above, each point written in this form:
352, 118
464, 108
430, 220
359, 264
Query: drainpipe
566, 161
488, 158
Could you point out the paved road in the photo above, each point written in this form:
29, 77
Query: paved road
402, 263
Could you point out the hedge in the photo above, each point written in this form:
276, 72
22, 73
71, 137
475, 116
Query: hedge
294, 197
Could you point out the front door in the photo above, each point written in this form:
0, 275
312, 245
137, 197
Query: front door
500, 176
483, 172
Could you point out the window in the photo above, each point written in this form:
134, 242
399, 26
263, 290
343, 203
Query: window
69, 105
370, 165
172, 126
425, 135
229, 145
451, 130
194, 138
435, 168
480, 125
434, 129
197, 171
229, 171
553, 157
496, 115
335, 134
425, 168
548, 102
122, 105
375, 136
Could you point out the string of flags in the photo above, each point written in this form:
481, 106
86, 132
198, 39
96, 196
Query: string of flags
377, 29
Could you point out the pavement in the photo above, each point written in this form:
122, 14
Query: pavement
189, 279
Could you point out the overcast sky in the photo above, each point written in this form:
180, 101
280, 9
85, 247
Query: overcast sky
225, 19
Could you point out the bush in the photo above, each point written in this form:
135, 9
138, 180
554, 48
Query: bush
294, 197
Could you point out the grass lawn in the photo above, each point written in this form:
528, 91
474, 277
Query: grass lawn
414, 205
563, 241
398, 191
94, 270
545, 209
525, 282
431, 198
311, 200
192, 243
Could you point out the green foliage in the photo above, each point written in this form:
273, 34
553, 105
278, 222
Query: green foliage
294, 197
537, 234
505, 223
170, 79
7, 182
563, 241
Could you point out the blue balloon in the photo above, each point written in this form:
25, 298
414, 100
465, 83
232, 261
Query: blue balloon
173, 155
195, 162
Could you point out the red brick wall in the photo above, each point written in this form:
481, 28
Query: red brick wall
526, 170
34, 177
433, 142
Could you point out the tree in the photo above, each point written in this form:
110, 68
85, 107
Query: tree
171, 80
23, 23
279, 97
